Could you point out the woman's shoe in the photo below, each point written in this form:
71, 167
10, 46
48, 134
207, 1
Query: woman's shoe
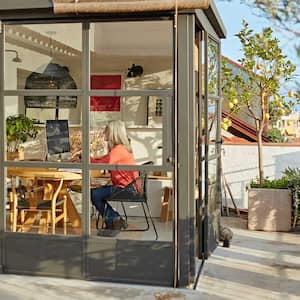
119, 224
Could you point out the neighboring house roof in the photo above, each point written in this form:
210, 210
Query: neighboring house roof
243, 129
242, 125
234, 140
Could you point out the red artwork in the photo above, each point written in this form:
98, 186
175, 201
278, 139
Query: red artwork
105, 82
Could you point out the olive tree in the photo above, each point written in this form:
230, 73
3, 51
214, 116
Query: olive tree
257, 84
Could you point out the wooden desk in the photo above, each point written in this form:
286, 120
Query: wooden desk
52, 175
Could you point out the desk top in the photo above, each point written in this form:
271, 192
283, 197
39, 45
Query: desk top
42, 173
57, 174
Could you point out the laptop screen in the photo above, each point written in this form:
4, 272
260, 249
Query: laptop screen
58, 141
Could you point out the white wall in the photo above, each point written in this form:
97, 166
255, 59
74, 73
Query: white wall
240, 166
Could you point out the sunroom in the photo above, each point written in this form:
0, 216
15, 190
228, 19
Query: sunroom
71, 67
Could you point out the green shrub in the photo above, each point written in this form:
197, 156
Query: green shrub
292, 176
290, 179
280, 183
275, 136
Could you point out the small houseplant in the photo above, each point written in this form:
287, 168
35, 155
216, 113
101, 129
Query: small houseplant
18, 129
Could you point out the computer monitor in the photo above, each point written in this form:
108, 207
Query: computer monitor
58, 141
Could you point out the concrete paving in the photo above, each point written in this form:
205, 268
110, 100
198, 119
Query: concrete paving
258, 265
16, 287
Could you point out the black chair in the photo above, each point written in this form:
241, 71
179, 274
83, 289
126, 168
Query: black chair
140, 197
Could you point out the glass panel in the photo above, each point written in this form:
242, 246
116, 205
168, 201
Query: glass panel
112, 219
213, 67
73, 115
31, 195
38, 137
140, 53
212, 188
202, 182
202, 67
43, 56
143, 118
212, 125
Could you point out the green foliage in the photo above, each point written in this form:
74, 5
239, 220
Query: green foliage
281, 183
19, 128
264, 69
285, 14
275, 136
292, 175
290, 179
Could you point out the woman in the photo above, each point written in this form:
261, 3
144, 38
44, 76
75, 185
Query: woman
120, 153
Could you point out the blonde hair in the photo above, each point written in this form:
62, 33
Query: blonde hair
117, 135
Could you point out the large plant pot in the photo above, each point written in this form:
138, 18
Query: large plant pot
269, 209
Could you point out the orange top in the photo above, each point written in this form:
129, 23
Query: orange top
119, 155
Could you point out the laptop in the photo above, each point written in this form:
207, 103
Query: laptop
58, 140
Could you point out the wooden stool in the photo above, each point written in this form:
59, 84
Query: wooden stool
166, 212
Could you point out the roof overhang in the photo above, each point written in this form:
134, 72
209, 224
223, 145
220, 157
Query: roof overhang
125, 6
242, 129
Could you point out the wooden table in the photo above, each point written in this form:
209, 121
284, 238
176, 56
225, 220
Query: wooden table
52, 175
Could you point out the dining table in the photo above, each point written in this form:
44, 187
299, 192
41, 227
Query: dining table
51, 175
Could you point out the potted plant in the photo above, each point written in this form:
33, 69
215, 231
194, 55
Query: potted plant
18, 129
254, 90
269, 206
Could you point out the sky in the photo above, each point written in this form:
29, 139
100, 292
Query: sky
232, 13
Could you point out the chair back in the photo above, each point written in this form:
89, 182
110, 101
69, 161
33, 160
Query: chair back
139, 185
143, 176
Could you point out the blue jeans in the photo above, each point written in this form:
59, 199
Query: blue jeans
98, 196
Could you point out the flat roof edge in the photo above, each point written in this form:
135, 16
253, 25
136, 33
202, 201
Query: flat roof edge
214, 17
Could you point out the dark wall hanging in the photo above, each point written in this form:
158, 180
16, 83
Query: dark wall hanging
54, 77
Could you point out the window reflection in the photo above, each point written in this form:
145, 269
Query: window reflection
212, 125
49, 57
134, 51
213, 66
44, 56
212, 186
34, 196
43, 49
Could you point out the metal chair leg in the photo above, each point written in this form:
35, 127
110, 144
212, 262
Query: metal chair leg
146, 217
156, 234
124, 210
147, 221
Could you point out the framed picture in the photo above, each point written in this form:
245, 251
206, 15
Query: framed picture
105, 82
154, 111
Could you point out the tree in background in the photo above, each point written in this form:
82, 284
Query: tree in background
257, 86
285, 14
